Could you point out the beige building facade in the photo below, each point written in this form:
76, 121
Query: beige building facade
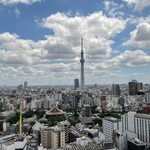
52, 137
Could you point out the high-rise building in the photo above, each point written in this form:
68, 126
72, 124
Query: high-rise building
119, 140
65, 125
20, 87
134, 87
139, 86
121, 101
52, 137
86, 110
110, 124
76, 83
147, 97
115, 89
137, 123
82, 66
142, 127
58, 138
25, 84
74, 102
45, 104
128, 121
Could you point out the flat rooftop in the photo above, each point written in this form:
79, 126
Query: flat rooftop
143, 116
6, 113
137, 142
112, 119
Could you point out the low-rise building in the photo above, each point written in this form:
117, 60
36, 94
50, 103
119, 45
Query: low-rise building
136, 144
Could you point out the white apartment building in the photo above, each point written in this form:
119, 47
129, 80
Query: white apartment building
11, 142
36, 104
45, 104
137, 123
147, 97
110, 124
128, 121
142, 127
119, 140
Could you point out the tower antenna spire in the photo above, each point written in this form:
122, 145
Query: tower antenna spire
81, 44
82, 66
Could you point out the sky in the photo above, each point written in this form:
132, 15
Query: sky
40, 41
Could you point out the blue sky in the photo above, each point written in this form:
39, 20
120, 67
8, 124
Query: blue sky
40, 41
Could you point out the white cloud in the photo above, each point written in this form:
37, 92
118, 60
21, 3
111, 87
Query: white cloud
139, 5
17, 12
96, 24
57, 48
18, 51
10, 2
140, 37
143, 32
96, 30
143, 19
129, 59
137, 20
113, 9
56, 58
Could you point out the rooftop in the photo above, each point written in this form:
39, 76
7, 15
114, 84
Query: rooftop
137, 142
112, 119
6, 113
144, 116
86, 120
55, 111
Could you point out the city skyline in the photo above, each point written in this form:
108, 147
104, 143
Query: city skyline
40, 41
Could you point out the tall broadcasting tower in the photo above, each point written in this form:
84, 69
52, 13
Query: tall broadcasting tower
82, 66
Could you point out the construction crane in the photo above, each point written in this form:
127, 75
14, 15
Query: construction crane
20, 122
21, 96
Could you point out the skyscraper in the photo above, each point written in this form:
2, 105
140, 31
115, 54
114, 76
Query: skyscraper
76, 83
82, 66
116, 89
134, 87
25, 84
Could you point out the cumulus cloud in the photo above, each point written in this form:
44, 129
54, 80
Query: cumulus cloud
130, 59
58, 55
18, 51
57, 48
140, 37
96, 30
96, 24
11, 2
113, 9
143, 32
139, 5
